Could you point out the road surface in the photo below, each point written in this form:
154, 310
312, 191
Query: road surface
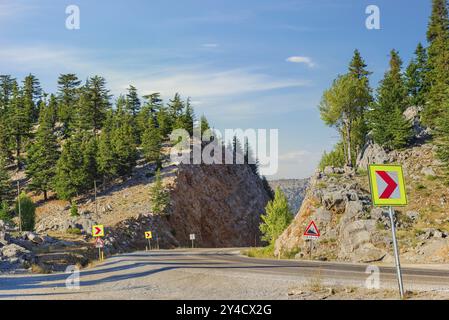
205, 274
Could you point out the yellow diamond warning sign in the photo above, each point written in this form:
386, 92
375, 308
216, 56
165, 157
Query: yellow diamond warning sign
387, 185
148, 235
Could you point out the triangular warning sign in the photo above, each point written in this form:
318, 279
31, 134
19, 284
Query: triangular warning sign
312, 230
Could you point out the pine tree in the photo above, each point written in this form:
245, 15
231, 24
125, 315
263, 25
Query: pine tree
32, 95
74, 209
43, 154
152, 143
277, 217
390, 128
133, 103
438, 62
106, 158
123, 141
68, 95
357, 68
93, 104
19, 121
71, 175
6, 89
159, 196
204, 124
175, 107
164, 122
416, 75
5, 183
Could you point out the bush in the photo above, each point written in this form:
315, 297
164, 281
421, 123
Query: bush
74, 209
335, 158
4, 212
27, 212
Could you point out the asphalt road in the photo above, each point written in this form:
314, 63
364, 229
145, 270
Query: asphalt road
205, 274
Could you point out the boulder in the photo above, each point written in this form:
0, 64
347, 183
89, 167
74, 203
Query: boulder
15, 251
372, 153
428, 172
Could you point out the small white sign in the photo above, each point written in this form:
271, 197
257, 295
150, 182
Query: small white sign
192, 236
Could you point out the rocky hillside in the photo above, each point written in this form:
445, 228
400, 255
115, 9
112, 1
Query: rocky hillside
352, 230
221, 204
294, 190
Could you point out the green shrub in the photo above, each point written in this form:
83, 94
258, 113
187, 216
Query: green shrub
27, 212
335, 158
5, 214
74, 209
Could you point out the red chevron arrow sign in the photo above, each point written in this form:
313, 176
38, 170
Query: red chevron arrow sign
387, 185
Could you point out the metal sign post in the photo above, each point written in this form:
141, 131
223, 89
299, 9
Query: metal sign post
192, 237
396, 253
388, 189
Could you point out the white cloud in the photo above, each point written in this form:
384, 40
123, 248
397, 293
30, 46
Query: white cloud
197, 81
299, 59
297, 164
210, 45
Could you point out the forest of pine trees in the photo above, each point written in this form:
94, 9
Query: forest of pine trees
66, 141
355, 109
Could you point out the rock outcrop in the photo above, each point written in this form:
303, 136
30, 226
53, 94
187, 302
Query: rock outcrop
294, 190
352, 230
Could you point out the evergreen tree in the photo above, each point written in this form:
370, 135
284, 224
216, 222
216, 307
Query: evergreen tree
438, 62
19, 121
123, 141
71, 176
133, 103
5, 214
357, 68
159, 196
204, 124
32, 95
277, 217
27, 212
249, 158
68, 95
106, 158
43, 154
164, 122
416, 75
175, 107
6, 89
5, 183
93, 104
389, 126
153, 103
152, 143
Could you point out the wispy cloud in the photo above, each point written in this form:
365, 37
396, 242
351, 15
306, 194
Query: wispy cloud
9, 9
210, 45
301, 59
197, 81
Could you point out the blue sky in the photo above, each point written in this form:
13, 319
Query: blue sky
229, 56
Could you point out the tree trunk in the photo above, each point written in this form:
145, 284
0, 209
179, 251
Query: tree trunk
348, 139
18, 153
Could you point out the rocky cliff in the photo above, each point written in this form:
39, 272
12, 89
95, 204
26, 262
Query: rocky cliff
339, 201
221, 204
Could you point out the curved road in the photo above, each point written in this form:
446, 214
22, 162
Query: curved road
205, 274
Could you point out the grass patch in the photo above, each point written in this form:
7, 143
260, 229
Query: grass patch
420, 186
265, 252
75, 231
431, 178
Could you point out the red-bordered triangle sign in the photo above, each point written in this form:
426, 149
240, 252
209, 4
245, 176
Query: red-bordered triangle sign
312, 231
